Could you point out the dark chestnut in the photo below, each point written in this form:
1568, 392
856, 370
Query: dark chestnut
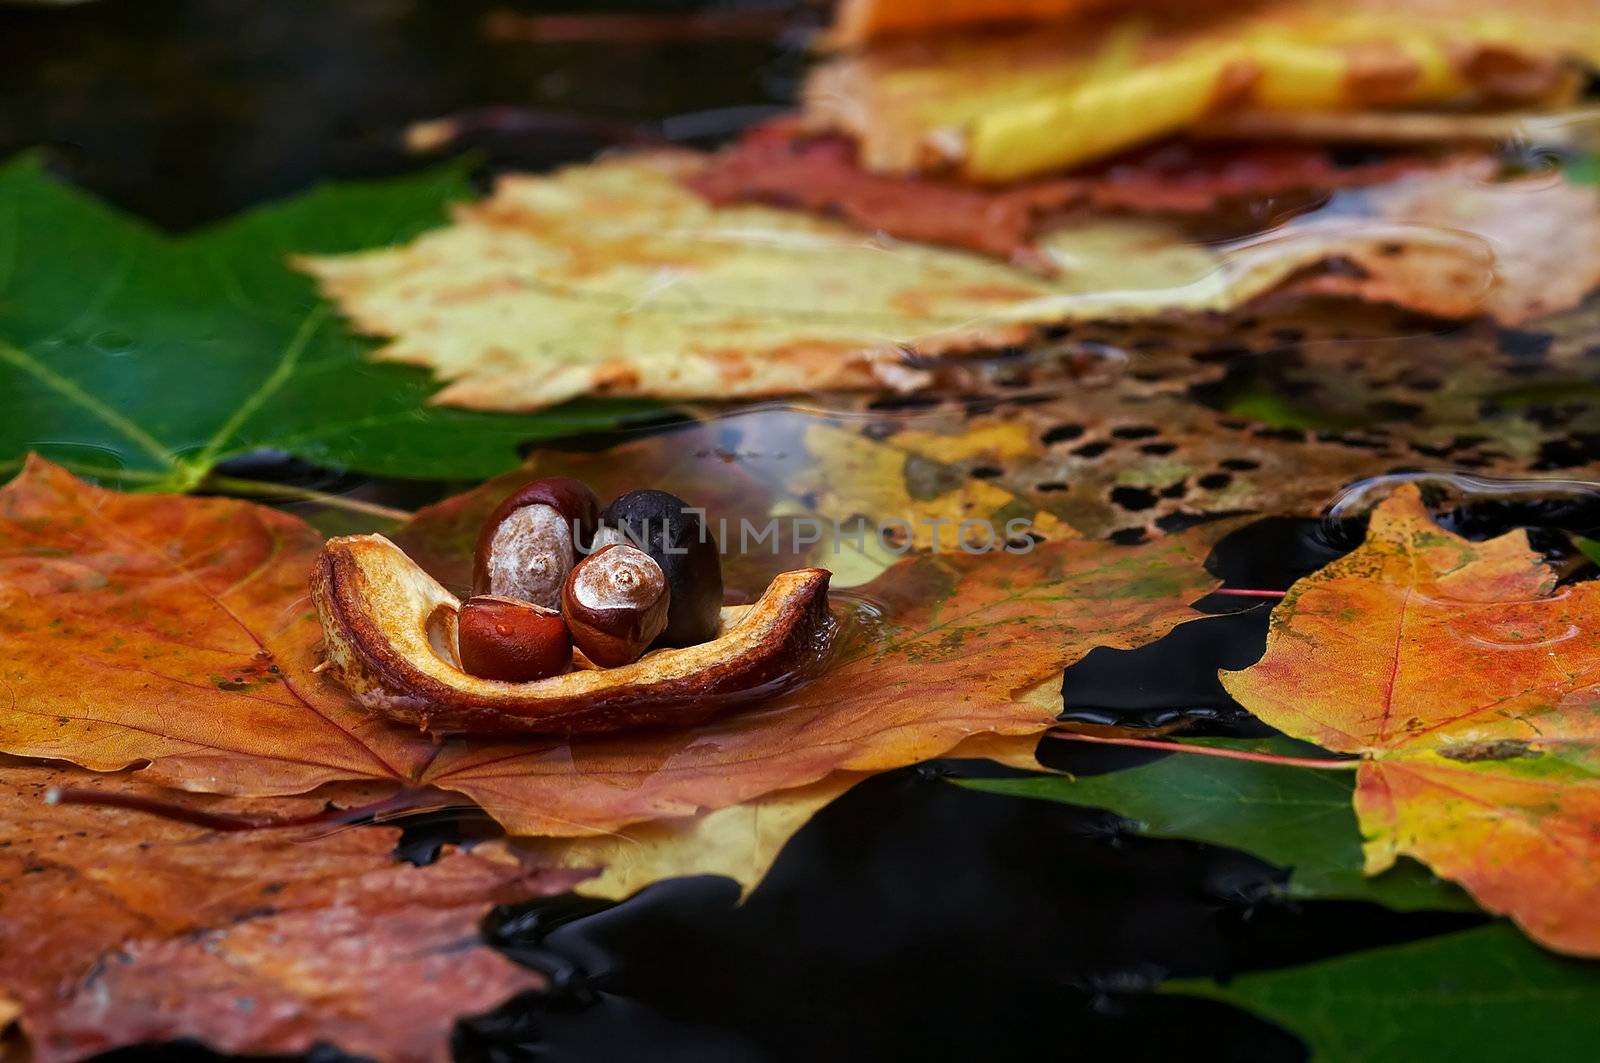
615, 602
527, 545
663, 526
511, 640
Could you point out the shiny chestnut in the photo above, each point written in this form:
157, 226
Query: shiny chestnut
512, 641
533, 538
616, 604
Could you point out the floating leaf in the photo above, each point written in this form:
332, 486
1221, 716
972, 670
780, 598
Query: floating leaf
178, 631
149, 359
1463, 996
1469, 685
1295, 817
615, 279
117, 928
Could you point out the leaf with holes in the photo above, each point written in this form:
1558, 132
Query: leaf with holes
1469, 683
118, 928
178, 631
148, 359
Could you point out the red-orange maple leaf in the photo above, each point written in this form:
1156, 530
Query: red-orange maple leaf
178, 631
1472, 687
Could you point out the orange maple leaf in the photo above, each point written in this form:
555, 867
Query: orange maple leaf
1472, 688
177, 631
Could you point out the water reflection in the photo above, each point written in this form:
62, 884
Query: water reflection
1457, 489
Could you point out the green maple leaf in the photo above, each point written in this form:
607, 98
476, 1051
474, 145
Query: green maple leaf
146, 360
1483, 994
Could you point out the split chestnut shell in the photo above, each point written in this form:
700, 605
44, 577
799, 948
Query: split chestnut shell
390, 633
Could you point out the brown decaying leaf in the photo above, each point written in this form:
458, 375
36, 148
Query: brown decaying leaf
119, 651
117, 927
781, 165
1378, 388
1472, 687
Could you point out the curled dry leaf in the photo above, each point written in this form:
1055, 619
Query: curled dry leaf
1470, 684
118, 928
196, 655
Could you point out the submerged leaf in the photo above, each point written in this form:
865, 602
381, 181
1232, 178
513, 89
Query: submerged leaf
740, 842
1471, 687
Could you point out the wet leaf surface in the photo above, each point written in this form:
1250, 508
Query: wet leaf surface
197, 654
1467, 679
117, 927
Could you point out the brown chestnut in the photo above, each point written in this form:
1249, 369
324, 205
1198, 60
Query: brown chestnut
533, 538
616, 602
512, 641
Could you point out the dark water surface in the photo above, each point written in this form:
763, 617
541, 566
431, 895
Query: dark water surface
912, 917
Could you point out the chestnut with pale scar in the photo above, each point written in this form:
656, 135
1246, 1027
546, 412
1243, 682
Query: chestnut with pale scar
532, 540
616, 603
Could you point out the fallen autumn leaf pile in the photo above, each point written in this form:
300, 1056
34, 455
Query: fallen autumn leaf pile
1154, 290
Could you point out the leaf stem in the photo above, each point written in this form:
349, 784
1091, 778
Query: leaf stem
1210, 751
224, 821
234, 485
